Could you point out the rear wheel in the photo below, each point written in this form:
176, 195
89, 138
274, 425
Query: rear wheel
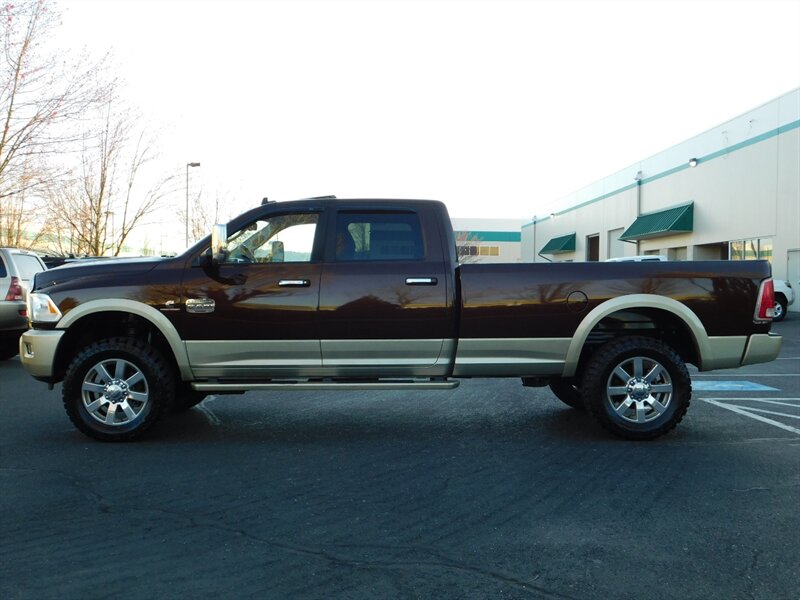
9, 344
566, 391
116, 389
637, 387
780, 308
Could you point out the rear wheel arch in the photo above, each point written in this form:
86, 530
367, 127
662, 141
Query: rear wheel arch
672, 322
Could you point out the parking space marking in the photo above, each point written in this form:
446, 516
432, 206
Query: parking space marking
748, 375
772, 412
731, 386
723, 403
777, 403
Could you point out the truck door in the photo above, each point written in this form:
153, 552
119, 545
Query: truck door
385, 306
255, 313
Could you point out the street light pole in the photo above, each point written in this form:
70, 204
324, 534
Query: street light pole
189, 164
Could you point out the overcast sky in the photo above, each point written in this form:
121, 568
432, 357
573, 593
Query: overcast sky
496, 108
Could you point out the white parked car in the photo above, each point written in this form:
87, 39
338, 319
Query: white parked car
640, 258
17, 268
784, 297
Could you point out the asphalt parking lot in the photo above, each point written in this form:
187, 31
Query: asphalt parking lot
488, 491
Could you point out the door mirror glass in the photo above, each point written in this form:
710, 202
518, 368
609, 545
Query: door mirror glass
219, 237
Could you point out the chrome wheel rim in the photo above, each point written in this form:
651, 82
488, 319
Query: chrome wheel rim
115, 392
639, 389
778, 311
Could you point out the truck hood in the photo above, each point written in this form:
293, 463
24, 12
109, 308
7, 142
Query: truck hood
84, 271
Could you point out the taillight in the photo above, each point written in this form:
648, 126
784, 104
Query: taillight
14, 290
765, 307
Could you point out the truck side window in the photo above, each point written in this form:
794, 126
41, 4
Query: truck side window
378, 236
282, 238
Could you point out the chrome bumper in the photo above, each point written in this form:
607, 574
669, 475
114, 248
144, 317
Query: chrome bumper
37, 351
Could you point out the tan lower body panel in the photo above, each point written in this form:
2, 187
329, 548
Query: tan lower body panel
326, 358
503, 357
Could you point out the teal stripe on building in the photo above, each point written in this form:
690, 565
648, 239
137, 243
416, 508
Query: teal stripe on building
488, 236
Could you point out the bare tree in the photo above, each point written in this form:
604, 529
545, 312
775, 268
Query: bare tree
467, 247
41, 94
135, 211
96, 210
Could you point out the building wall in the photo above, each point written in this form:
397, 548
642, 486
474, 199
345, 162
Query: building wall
488, 240
746, 185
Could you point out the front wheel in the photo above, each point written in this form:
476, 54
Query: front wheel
116, 389
636, 387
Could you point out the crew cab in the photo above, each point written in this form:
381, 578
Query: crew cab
368, 294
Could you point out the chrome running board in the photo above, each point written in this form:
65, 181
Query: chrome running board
383, 384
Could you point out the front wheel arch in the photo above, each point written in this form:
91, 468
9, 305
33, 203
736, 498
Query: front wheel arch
113, 317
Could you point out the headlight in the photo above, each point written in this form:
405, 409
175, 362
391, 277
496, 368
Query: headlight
41, 309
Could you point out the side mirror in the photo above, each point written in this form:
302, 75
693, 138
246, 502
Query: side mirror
219, 238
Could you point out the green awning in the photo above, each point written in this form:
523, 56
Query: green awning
559, 245
679, 219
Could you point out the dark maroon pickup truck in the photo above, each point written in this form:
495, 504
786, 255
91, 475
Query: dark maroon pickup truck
368, 294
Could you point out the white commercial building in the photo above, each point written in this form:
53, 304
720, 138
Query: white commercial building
732, 192
488, 240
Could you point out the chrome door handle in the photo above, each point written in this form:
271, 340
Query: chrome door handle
294, 283
421, 281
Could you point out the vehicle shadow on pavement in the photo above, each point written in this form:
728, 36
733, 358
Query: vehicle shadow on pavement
275, 422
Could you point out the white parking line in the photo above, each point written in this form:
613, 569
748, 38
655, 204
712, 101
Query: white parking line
762, 401
772, 412
746, 375
747, 413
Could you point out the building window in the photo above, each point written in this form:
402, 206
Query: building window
752, 249
478, 250
593, 248
677, 253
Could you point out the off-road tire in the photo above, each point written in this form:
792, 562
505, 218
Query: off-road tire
636, 387
122, 403
9, 345
566, 391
